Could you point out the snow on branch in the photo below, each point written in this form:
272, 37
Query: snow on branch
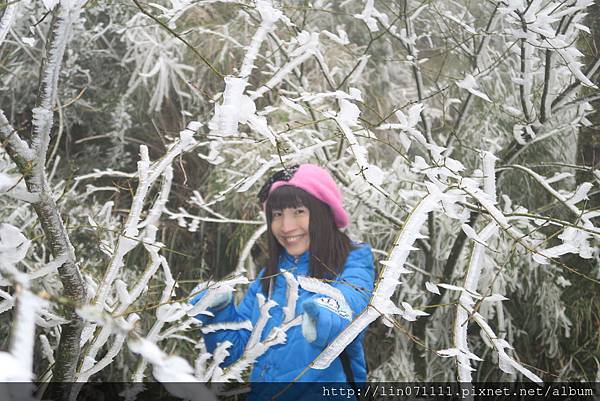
308, 45
8, 18
461, 322
17, 364
388, 280
173, 371
245, 254
269, 16
256, 348
147, 174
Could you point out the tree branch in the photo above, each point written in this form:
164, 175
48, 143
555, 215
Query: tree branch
31, 163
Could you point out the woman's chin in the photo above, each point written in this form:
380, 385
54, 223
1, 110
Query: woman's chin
296, 250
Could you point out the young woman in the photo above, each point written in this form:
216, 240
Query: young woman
305, 214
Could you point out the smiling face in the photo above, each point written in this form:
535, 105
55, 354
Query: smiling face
290, 228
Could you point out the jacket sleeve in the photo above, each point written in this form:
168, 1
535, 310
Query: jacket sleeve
227, 314
326, 317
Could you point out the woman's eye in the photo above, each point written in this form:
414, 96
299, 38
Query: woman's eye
276, 213
300, 211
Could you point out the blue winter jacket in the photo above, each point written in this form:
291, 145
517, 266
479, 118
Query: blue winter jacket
285, 362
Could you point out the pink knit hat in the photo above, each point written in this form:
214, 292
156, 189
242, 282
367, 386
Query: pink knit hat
317, 182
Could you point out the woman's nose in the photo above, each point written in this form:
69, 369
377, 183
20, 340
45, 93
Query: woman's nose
288, 223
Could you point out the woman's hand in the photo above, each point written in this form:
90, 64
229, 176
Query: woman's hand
323, 319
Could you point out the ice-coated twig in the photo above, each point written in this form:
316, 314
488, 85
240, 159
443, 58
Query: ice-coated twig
68, 13
48, 268
543, 182
476, 262
46, 348
264, 307
183, 214
18, 362
275, 337
10, 136
269, 16
110, 355
254, 347
276, 160
461, 322
317, 286
541, 256
127, 298
370, 15
308, 46
489, 174
173, 371
505, 362
289, 310
147, 174
211, 328
161, 318
214, 288
387, 282
9, 16
220, 353
247, 249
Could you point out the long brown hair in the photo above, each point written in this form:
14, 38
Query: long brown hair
329, 247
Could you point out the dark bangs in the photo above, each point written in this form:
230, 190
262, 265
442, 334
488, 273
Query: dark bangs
286, 196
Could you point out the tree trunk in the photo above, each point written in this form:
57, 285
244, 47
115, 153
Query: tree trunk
30, 160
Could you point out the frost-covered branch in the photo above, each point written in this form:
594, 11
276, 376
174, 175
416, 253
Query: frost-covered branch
461, 322
18, 362
388, 280
31, 163
8, 18
147, 175
172, 371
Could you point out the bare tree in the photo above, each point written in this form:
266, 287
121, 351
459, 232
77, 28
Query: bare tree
30, 158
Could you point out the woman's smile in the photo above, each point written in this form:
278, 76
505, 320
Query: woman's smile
290, 228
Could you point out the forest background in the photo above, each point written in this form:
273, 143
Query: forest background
135, 135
